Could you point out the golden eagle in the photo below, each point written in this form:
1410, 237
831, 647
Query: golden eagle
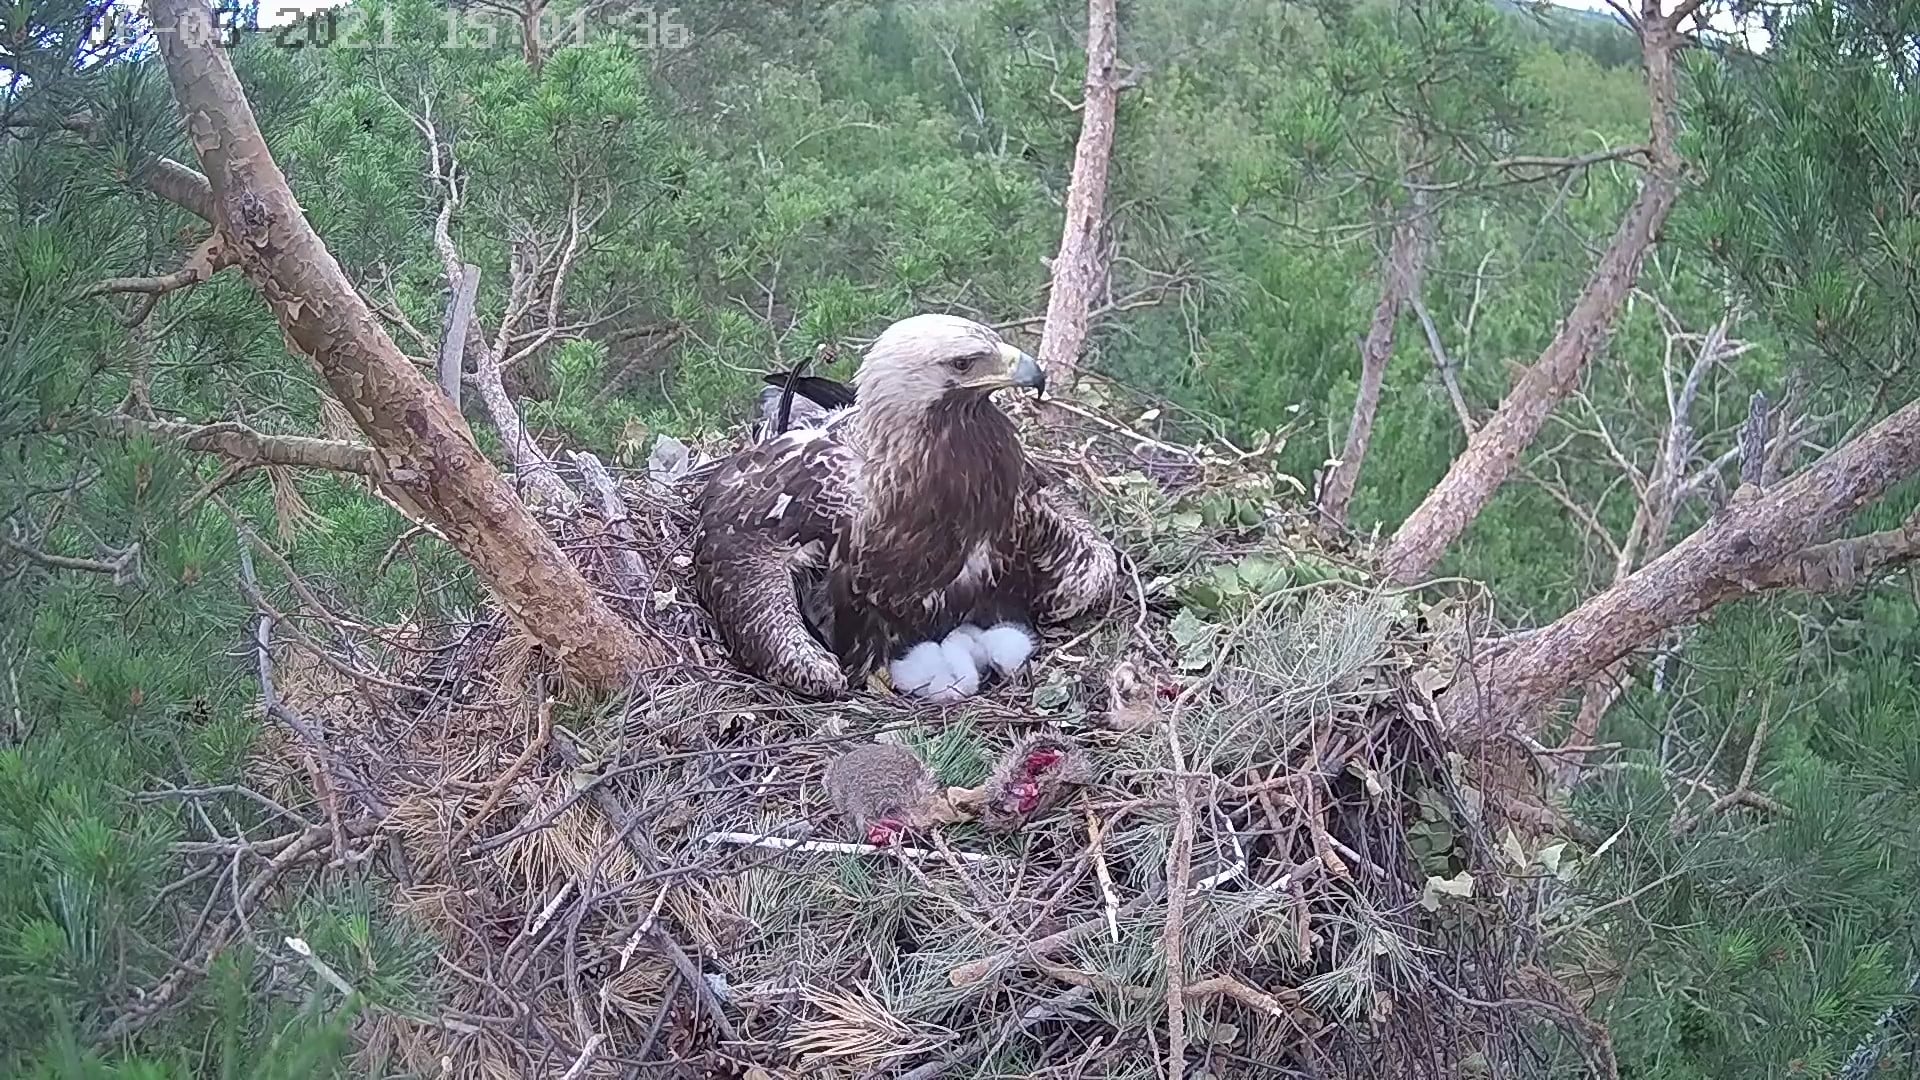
902, 526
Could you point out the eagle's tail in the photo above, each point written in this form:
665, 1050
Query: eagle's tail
822, 391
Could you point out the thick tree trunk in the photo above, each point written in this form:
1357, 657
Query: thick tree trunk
1078, 267
424, 456
1491, 453
1762, 540
1399, 279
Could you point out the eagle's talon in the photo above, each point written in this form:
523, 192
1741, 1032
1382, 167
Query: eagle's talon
821, 678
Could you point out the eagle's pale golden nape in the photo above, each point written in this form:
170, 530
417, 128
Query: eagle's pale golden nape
910, 518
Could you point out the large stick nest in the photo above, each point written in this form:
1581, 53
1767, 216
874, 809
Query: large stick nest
1268, 801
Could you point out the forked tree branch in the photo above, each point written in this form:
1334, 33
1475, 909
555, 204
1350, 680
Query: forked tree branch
1842, 565
1763, 540
204, 261
1400, 270
123, 567
465, 337
1480, 470
248, 448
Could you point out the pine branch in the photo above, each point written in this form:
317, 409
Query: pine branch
249, 448
1538, 167
1844, 564
124, 567
178, 184
182, 186
1742, 793
1680, 13
157, 1000
204, 261
428, 462
1865, 1059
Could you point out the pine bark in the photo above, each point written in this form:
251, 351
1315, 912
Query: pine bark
424, 456
1078, 267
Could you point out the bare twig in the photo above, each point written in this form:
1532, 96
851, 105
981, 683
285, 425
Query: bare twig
245, 446
697, 983
123, 566
1096, 834
497, 790
1228, 986
1742, 792
585, 1061
204, 261
159, 998
975, 971
453, 347
781, 843
1442, 362
1173, 936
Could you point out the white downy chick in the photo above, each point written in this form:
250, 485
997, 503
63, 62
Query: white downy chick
922, 671
1006, 646
970, 634
962, 650
947, 671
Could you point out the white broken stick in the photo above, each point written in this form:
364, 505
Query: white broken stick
783, 843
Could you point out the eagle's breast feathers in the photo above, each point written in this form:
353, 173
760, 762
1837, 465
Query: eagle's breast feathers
934, 533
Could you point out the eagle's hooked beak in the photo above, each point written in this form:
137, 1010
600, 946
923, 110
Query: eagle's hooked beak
1023, 370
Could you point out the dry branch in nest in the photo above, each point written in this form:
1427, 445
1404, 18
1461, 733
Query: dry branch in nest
663, 878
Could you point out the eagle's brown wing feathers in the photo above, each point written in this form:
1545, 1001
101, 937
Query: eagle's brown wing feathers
1073, 567
774, 511
1056, 567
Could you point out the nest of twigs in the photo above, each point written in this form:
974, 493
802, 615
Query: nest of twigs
1273, 867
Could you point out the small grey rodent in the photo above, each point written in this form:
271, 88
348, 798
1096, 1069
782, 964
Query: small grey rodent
884, 790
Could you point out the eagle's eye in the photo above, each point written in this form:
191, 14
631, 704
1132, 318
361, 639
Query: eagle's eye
961, 363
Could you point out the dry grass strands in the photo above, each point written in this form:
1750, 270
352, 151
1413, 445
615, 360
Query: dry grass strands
852, 1027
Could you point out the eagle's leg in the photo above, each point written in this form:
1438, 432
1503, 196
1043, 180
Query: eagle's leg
1074, 568
749, 589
